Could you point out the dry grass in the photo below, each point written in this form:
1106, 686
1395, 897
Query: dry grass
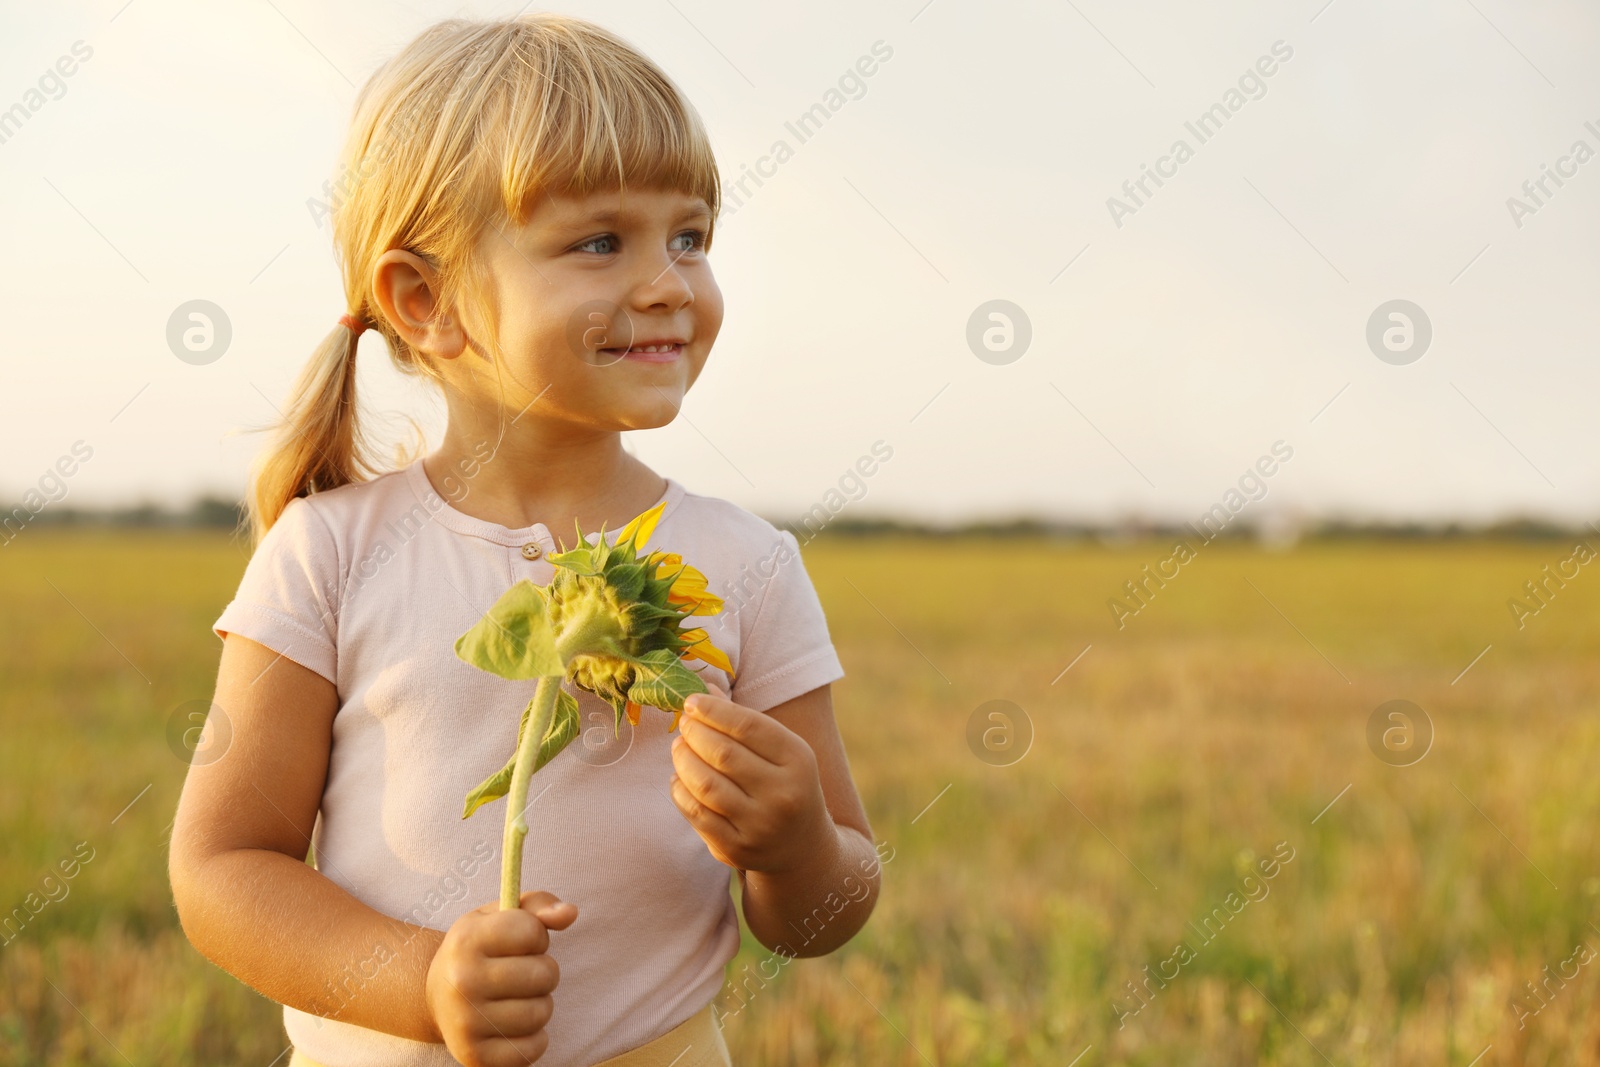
1175, 754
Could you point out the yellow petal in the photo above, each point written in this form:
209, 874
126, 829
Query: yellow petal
642, 525
702, 649
686, 579
674, 724
633, 713
705, 605
689, 590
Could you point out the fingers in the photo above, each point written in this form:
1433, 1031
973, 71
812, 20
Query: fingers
708, 785
553, 913
509, 932
757, 731
513, 1018
510, 978
704, 819
489, 986
519, 931
533, 899
723, 752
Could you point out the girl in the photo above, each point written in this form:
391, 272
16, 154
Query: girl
524, 216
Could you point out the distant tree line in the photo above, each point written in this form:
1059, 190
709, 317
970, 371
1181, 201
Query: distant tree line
1513, 529
212, 512
216, 512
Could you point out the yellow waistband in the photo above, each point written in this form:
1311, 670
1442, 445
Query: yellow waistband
695, 1042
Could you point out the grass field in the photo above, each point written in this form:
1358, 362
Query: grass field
1172, 758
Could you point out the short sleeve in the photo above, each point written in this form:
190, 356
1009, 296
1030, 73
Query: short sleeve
786, 650
287, 598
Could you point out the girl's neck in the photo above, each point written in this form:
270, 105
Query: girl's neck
536, 476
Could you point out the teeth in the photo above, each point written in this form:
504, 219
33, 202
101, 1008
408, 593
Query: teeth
645, 348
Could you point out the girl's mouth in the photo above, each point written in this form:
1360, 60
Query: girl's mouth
647, 353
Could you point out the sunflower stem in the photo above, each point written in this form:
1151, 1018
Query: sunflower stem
544, 707
592, 633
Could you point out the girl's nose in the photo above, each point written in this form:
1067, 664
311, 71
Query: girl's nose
665, 285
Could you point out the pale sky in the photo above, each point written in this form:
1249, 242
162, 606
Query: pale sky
1374, 164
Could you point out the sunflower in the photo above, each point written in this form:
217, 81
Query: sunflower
634, 607
609, 622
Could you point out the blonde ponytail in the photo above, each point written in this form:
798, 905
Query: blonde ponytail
464, 130
318, 444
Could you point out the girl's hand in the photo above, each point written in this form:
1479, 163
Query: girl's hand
489, 985
749, 786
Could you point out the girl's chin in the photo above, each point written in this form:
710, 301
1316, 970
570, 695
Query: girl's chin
649, 416
634, 413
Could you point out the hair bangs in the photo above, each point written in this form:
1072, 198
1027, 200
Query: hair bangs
591, 115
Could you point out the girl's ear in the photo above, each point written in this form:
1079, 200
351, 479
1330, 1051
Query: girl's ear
406, 286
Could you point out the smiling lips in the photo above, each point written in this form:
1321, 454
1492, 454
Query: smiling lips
654, 352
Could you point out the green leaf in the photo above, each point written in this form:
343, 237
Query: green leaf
563, 728
620, 706
645, 611
494, 787
513, 639
656, 661
628, 580
577, 560
663, 681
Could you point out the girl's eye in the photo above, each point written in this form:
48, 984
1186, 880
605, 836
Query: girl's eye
697, 241
603, 238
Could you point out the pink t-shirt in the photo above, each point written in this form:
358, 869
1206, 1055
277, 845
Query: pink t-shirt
369, 585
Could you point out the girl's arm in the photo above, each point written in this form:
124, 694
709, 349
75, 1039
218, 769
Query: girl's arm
820, 905
771, 794
246, 897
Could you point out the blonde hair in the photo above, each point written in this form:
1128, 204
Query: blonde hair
467, 127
